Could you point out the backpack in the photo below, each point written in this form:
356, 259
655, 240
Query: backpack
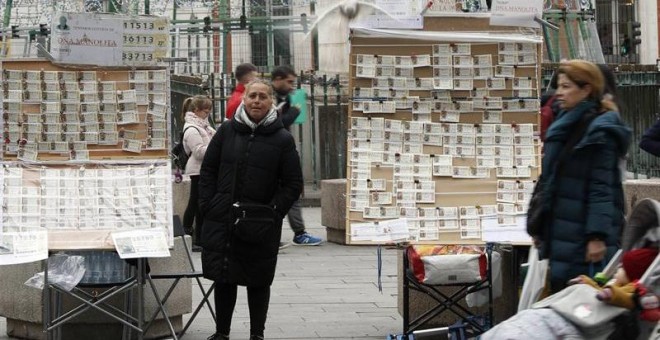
179, 155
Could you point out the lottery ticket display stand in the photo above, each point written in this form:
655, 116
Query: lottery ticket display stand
85, 156
443, 144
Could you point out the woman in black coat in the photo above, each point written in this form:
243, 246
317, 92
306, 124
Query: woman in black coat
249, 179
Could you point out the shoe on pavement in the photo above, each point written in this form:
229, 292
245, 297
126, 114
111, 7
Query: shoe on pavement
306, 239
284, 245
218, 336
256, 337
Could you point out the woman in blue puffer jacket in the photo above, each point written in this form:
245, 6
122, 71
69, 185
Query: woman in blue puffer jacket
583, 185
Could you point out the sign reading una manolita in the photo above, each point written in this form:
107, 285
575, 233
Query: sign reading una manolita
516, 13
108, 40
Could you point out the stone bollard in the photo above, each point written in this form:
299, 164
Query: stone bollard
333, 209
636, 190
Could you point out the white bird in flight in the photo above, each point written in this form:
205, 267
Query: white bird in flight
344, 12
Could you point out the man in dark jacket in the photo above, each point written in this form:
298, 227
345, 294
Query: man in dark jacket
651, 140
249, 179
283, 79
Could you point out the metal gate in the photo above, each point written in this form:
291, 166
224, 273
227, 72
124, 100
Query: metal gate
321, 140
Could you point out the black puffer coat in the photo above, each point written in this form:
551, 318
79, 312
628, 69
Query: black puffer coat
260, 166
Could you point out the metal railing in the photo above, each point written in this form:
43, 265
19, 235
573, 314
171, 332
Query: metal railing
321, 139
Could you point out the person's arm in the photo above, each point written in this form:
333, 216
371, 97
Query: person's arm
289, 114
603, 179
233, 103
291, 180
208, 173
195, 142
651, 140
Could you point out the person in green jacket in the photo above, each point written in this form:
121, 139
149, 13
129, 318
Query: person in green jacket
582, 182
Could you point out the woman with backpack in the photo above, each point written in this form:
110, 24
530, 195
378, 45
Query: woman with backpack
583, 204
197, 133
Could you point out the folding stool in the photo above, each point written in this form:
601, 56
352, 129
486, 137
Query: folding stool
473, 323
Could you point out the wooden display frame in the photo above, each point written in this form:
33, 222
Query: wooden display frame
449, 191
121, 77
151, 189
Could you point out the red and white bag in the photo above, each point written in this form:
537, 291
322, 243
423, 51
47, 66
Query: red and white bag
447, 264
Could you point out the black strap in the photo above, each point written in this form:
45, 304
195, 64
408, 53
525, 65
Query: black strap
183, 133
239, 167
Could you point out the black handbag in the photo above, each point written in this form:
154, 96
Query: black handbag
254, 223
537, 212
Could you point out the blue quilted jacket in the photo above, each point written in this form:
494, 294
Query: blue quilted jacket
584, 197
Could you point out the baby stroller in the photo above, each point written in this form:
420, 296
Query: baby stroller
576, 313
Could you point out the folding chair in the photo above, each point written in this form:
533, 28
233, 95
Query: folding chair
470, 322
98, 299
176, 277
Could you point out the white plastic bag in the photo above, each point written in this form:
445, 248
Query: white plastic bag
537, 271
64, 270
480, 298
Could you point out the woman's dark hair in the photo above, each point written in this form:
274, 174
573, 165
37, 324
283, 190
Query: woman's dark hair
610, 85
610, 80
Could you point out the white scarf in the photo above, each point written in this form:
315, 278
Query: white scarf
192, 118
242, 117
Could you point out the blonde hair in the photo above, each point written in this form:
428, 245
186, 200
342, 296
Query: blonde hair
195, 103
584, 73
259, 81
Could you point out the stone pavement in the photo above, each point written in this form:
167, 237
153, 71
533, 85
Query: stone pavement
324, 292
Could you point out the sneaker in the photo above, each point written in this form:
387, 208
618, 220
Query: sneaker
218, 336
306, 239
284, 245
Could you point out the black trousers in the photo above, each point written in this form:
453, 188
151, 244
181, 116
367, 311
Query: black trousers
192, 212
225, 301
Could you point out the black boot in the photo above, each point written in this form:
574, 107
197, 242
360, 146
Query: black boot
256, 337
218, 336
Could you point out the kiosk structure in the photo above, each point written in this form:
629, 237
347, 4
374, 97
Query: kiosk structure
86, 155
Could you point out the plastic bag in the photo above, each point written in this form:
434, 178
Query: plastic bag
64, 270
537, 272
480, 298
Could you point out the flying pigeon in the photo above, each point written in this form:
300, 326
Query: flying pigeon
344, 12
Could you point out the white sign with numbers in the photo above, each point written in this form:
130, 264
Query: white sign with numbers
109, 40
145, 40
